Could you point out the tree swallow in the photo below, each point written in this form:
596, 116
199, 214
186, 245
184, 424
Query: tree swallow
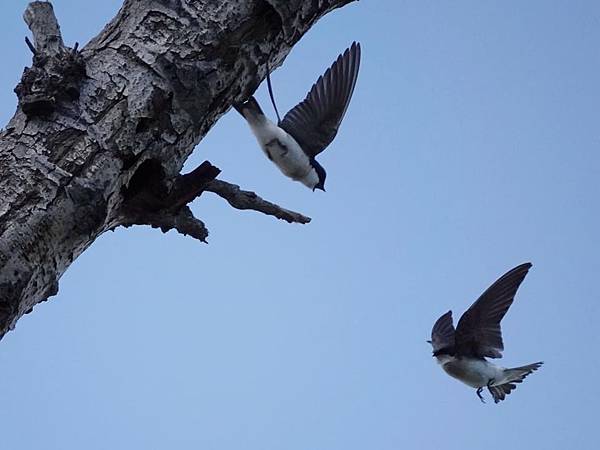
462, 353
308, 128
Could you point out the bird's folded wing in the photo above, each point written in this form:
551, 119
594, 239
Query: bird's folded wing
314, 122
478, 332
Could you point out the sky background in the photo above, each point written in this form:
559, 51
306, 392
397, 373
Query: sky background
472, 144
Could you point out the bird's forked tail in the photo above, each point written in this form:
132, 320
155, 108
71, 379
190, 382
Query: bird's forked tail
514, 375
517, 374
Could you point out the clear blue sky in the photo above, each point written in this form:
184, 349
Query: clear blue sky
471, 145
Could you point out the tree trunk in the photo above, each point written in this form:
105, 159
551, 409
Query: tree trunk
100, 135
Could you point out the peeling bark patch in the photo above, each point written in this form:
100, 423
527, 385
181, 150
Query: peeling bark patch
156, 28
62, 143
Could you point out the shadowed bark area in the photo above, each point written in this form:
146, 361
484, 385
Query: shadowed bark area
100, 135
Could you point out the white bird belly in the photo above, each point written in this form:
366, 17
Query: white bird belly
289, 157
283, 150
473, 372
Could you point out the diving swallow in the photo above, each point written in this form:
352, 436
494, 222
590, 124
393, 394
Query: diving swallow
462, 352
308, 128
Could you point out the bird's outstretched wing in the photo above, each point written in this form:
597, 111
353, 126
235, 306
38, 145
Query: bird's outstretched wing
442, 334
478, 332
314, 122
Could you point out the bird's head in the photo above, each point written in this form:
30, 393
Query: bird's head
443, 353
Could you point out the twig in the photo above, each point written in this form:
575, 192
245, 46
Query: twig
240, 199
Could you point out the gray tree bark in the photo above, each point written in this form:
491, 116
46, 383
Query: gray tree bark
100, 135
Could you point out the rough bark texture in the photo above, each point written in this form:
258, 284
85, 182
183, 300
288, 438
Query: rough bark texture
100, 136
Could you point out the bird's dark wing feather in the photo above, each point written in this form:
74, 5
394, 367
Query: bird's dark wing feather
314, 122
478, 332
442, 334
